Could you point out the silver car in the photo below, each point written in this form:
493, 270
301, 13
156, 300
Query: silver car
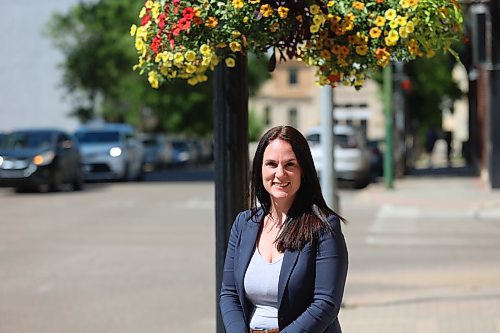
352, 156
111, 151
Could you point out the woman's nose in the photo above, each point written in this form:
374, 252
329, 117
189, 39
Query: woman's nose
280, 171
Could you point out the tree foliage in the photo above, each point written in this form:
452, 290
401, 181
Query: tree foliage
432, 83
99, 56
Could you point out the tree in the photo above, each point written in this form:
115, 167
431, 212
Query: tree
99, 56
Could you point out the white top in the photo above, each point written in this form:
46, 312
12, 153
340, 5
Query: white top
261, 288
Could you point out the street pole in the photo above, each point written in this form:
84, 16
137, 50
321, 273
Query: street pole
328, 175
231, 158
389, 149
494, 140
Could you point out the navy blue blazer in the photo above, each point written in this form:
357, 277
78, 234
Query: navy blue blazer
310, 287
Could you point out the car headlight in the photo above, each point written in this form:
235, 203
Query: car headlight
44, 158
115, 151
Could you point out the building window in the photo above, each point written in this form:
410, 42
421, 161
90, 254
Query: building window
292, 117
267, 115
292, 78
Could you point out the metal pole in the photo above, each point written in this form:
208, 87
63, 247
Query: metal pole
231, 158
494, 141
389, 149
328, 175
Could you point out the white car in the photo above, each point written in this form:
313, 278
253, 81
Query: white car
110, 151
352, 156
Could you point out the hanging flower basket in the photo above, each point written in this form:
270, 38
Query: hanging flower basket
344, 39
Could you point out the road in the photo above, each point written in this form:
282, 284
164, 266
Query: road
139, 257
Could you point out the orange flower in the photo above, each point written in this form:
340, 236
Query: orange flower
358, 5
211, 22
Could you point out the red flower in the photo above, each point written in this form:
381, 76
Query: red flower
184, 24
145, 19
188, 13
156, 44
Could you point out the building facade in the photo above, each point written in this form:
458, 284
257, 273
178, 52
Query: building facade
292, 97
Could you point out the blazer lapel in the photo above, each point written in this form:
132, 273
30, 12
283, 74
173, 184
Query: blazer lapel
246, 250
289, 261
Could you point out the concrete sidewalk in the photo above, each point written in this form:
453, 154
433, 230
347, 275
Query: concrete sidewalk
425, 256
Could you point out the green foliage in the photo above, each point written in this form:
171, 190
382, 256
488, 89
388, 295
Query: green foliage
99, 55
255, 126
432, 81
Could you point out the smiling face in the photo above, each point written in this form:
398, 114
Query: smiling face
281, 172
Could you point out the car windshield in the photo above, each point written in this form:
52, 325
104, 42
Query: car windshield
98, 136
27, 140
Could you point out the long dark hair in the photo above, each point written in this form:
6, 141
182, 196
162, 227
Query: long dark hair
307, 215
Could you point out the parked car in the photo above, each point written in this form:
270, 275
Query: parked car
111, 152
158, 151
352, 157
40, 159
181, 152
376, 158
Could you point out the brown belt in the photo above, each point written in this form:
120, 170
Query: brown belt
263, 330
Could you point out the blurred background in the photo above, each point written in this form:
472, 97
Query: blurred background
122, 238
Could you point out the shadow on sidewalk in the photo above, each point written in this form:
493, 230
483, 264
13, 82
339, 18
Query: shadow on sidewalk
452, 171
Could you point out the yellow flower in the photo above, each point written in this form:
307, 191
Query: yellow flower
230, 62
238, 3
190, 56
142, 12
235, 34
375, 32
190, 69
148, 4
266, 10
403, 32
235, 46
192, 81
408, 4
330, 3
393, 24
431, 53
139, 44
253, 2
245, 19
380, 21
314, 9
390, 14
155, 11
206, 61
362, 50
197, 11
133, 29
314, 28
383, 57
205, 50
401, 20
283, 11
392, 38
410, 27
318, 19
153, 79
178, 58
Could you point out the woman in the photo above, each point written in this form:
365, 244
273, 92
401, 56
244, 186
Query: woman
286, 260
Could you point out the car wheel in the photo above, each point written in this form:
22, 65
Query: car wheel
57, 180
78, 182
126, 173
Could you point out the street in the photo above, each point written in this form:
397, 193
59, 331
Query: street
139, 257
